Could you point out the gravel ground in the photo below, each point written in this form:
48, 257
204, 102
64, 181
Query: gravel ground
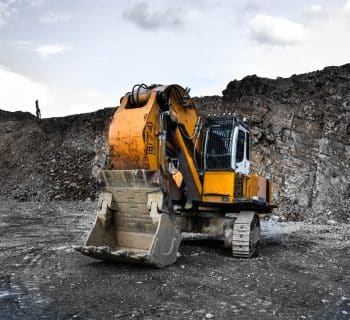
302, 272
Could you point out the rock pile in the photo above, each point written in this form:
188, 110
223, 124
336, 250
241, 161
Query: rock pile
56, 158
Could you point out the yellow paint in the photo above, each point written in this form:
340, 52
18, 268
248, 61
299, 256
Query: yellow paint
133, 136
251, 186
218, 186
187, 116
216, 199
178, 178
151, 134
190, 162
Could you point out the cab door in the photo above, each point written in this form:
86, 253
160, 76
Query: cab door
240, 157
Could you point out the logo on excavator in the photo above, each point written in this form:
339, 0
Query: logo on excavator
150, 143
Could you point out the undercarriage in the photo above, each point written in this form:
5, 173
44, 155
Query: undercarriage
136, 222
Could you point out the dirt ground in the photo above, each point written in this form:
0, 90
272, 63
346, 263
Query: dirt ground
302, 272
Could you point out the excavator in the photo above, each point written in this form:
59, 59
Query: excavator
172, 172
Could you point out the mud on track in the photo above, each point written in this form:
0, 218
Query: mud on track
301, 272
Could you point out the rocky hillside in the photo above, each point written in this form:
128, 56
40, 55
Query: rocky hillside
301, 129
55, 158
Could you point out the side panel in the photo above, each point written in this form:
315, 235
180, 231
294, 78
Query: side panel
251, 186
218, 186
255, 187
231, 187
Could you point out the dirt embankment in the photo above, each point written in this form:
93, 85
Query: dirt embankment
301, 139
56, 158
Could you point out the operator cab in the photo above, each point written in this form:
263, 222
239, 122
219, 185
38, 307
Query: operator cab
226, 145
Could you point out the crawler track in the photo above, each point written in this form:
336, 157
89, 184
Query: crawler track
246, 234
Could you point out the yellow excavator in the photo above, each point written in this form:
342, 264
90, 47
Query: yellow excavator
172, 171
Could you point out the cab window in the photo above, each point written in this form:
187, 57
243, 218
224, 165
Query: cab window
247, 146
240, 146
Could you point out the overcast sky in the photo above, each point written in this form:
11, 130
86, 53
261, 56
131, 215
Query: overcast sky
78, 56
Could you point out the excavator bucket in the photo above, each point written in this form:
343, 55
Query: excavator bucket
133, 224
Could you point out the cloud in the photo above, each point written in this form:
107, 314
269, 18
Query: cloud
316, 9
146, 18
323, 45
250, 6
88, 100
92, 93
22, 44
54, 17
315, 12
51, 50
346, 8
6, 10
276, 31
36, 3
20, 92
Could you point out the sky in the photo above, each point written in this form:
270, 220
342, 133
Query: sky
83, 55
